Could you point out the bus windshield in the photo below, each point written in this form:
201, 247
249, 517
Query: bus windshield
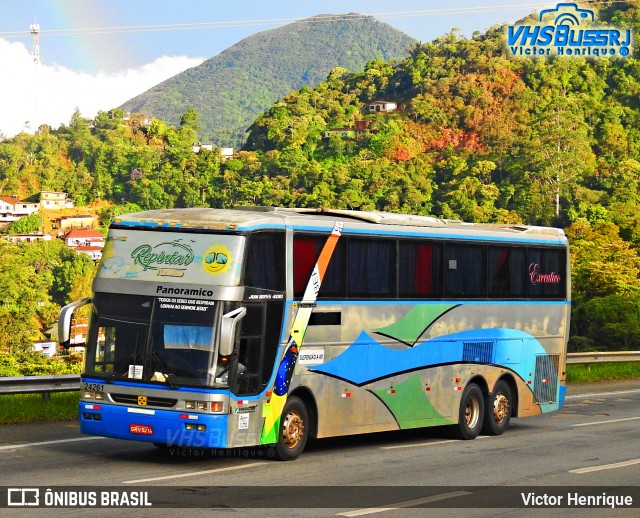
164, 340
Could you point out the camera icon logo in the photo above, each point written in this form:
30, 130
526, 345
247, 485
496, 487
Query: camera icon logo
568, 14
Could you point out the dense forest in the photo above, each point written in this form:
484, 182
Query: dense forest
231, 89
478, 136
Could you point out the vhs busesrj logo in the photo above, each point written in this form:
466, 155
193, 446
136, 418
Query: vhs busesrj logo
568, 30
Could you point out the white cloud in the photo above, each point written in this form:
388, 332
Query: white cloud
45, 94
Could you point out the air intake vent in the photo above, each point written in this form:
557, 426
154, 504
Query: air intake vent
131, 399
478, 352
545, 385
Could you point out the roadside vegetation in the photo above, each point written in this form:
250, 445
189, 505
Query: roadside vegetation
593, 372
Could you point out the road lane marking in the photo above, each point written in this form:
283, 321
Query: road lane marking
60, 441
194, 473
579, 396
414, 445
407, 503
615, 465
596, 423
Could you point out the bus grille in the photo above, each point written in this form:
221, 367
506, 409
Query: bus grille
546, 379
478, 352
132, 399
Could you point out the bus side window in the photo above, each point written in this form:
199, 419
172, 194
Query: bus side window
464, 270
372, 268
266, 261
306, 250
507, 272
305, 253
419, 268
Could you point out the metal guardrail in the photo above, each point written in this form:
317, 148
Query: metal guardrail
40, 384
603, 357
70, 382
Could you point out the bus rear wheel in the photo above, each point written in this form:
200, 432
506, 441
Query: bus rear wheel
471, 414
293, 429
498, 410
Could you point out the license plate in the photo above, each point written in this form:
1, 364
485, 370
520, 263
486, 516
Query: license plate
140, 429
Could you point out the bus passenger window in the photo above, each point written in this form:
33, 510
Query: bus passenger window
305, 254
507, 272
266, 261
464, 270
419, 269
546, 273
372, 268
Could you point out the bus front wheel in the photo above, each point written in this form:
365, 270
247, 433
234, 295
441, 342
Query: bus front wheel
471, 413
498, 410
294, 425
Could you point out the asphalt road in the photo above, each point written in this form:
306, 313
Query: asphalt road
593, 441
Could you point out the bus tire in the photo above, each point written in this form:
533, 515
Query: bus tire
294, 426
498, 410
471, 414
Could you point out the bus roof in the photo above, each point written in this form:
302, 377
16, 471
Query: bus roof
253, 218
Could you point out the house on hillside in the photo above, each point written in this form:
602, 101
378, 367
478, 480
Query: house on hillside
90, 242
342, 132
382, 106
225, 152
66, 223
12, 209
27, 238
55, 200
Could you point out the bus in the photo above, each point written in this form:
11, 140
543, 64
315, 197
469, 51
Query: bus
262, 326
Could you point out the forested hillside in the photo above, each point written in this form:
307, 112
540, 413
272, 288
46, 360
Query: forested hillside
478, 136
231, 89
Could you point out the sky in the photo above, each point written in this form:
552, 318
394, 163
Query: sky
96, 54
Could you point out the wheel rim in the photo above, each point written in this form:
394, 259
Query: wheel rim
500, 408
472, 412
293, 429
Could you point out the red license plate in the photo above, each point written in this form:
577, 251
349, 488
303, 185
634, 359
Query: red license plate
141, 429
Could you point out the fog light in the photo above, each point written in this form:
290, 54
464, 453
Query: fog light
190, 426
201, 427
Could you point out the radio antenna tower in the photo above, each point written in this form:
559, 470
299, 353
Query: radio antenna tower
34, 29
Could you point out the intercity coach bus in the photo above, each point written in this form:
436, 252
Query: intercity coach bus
266, 326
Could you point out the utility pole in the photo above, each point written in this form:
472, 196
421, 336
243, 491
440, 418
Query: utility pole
34, 29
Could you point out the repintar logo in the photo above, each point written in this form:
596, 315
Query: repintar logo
568, 30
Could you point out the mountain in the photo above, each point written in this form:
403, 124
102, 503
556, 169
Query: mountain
232, 88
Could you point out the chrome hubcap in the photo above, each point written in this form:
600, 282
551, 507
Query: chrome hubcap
500, 408
293, 429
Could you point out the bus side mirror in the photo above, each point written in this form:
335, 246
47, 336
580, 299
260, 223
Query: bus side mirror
64, 320
228, 330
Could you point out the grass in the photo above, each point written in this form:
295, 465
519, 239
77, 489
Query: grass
29, 408
61, 406
585, 373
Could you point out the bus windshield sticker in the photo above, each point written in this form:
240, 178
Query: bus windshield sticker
135, 372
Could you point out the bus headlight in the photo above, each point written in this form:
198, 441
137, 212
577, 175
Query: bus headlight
204, 406
87, 394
